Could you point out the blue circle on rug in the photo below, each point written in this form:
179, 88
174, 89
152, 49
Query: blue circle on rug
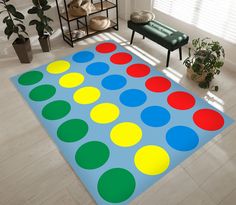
182, 138
83, 56
97, 68
114, 82
133, 98
155, 116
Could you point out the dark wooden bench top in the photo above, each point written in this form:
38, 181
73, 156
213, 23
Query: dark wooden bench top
162, 34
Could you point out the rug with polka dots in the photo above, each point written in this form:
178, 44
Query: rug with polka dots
121, 124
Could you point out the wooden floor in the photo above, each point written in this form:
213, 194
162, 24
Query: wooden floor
33, 172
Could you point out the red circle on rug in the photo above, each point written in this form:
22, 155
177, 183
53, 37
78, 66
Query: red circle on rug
121, 58
181, 100
106, 47
208, 119
158, 84
138, 70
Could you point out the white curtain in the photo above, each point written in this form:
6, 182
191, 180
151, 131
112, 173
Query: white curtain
214, 16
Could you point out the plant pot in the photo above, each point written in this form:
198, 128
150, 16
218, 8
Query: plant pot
194, 76
23, 50
45, 43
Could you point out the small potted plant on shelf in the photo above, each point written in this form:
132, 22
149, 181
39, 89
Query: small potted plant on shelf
14, 25
42, 24
205, 62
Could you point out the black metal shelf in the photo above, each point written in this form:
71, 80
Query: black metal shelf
101, 6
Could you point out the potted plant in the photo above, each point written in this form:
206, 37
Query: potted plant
14, 25
42, 24
206, 61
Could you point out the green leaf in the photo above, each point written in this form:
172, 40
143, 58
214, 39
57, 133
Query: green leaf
9, 23
40, 29
45, 8
43, 2
22, 27
8, 31
35, 2
33, 22
15, 29
18, 15
40, 13
5, 19
11, 8
204, 84
33, 10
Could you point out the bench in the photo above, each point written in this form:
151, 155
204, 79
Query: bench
165, 36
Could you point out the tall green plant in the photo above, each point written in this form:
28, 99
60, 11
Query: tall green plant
13, 21
42, 25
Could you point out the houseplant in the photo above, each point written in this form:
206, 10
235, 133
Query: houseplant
14, 25
42, 24
205, 60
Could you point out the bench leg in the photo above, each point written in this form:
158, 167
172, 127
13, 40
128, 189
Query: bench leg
168, 58
180, 53
132, 37
143, 37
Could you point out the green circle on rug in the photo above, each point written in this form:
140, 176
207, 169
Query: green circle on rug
92, 155
72, 130
42, 92
56, 110
116, 185
30, 78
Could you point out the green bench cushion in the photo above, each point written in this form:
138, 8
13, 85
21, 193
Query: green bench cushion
161, 34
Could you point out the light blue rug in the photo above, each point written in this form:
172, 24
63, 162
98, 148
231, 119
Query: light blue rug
121, 124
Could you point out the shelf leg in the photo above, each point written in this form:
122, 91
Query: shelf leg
117, 16
107, 13
77, 23
101, 4
59, 16
68, 23
86, 24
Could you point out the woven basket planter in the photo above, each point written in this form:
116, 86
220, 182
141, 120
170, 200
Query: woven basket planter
194, 76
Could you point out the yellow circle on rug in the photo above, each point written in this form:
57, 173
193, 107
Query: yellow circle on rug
104, 113
87, 95
58, 67
126, 134
152, 160
71, 80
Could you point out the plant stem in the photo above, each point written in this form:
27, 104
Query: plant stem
4, 2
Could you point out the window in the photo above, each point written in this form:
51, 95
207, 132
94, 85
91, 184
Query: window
214, 16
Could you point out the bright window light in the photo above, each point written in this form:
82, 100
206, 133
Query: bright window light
214, 16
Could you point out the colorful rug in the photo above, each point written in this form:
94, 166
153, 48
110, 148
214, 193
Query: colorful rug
121, 124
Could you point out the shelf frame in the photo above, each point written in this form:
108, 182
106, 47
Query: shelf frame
102, 6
